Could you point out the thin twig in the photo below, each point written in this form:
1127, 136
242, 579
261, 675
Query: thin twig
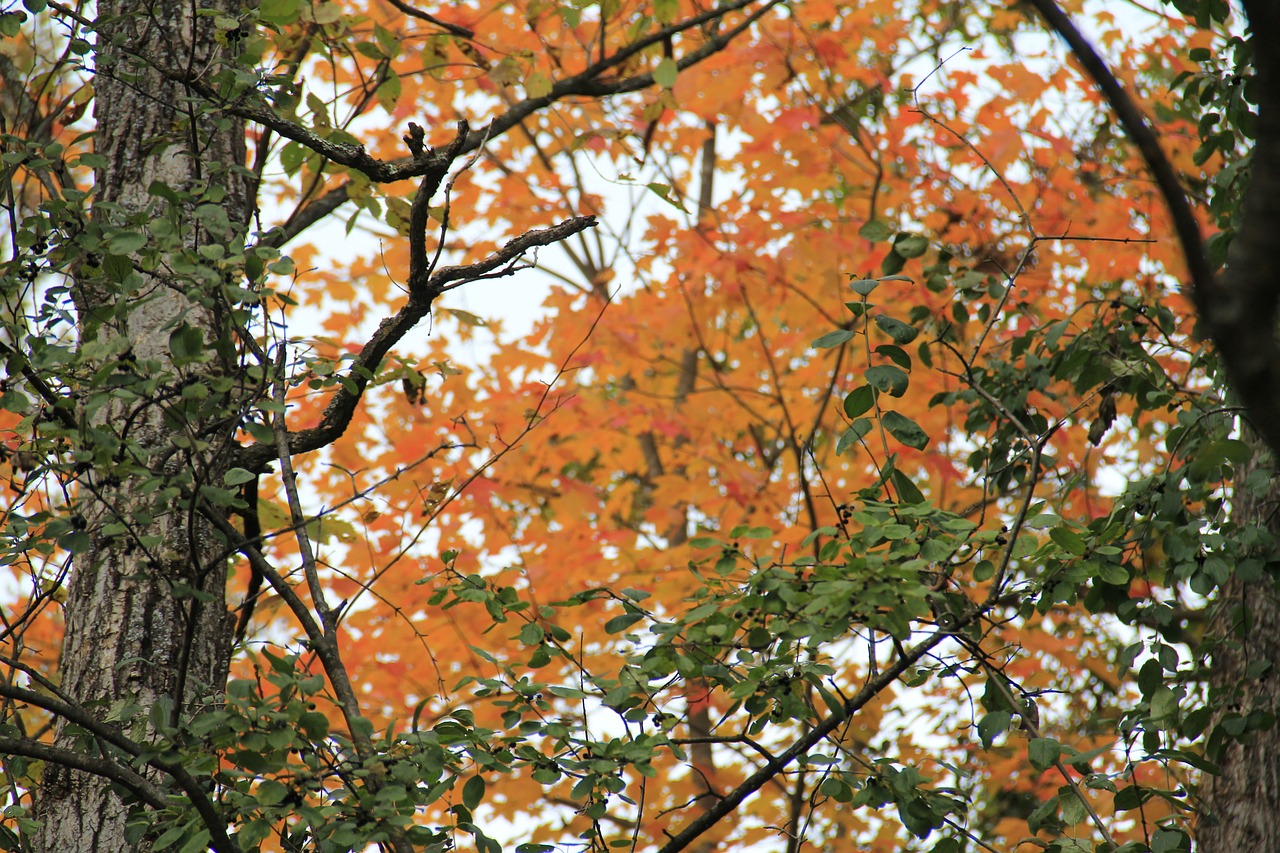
452, 29
290, 480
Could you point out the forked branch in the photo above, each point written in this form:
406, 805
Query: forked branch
1239, 307
342, 407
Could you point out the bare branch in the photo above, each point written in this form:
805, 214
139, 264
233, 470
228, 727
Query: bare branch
303, 219
321, 636
338, 414
450, 277
419, 264
452, 29
99, 766
289, 478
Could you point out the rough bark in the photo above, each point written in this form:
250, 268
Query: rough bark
1242, 802
135, 634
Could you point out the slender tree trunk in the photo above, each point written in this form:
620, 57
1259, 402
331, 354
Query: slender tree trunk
1242, 803
148, 636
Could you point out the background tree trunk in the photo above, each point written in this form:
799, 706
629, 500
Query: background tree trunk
136, 633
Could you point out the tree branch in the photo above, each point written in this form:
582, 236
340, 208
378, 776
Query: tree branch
301, 220
322, 636
1239, 308
730, 802
452, 29
590, 82
342, 407
99, 766
213, 821
419, 263
1136, 126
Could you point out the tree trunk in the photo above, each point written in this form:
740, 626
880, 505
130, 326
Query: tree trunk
1242, 803
146, 621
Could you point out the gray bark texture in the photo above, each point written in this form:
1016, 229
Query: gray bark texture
1242, 803
135, 633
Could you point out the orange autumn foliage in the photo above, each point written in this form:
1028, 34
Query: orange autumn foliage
668, 388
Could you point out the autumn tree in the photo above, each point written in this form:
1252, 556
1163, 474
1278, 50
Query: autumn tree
146, 422
860, 480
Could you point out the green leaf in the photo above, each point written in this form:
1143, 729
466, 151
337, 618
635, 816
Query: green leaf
888, 378
1074, 812
875, 231
388, 39
991, 725
836, 788
864, 286
666, 73
908, 493
253, 267
279, 12
892, 263
314, 725
126, 242
466, 317
618, 624
1164, 703
1044, 752
1114, 574
833, 339
389, 91
1197, 761
664, 192
473, 792
537, 85
10, 26
905, 430
853, 434
1070, 541
169, 837
859, 400
896, 354
236, 476
1128, 798
902, 333
1168, 840
186, 344
160, 189
910, 245
291, 157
